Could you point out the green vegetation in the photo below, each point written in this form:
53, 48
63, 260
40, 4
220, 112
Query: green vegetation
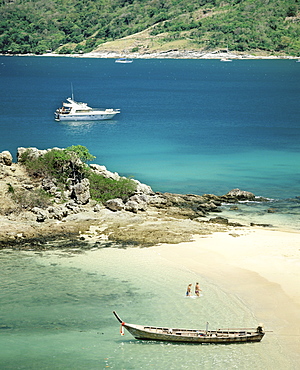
26, 200
103, 189
82, 153
66, 165
56, 163
67, 26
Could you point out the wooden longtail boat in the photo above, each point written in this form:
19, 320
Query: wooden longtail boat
192, 335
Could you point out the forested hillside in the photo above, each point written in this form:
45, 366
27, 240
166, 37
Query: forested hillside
66, 26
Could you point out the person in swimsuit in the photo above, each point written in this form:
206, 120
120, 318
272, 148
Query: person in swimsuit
197, 290
188, 291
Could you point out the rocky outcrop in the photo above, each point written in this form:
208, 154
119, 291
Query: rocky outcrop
32, 153
147, 217
6, 158
102, 171
238, 194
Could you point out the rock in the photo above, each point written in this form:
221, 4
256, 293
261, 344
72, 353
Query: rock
115, 204
6, 158
262, 225
141, 200
72, 206
97, 208
210, 207
158, 200
132, 206
28, 186
219, 220
240, 194
81, 192
200, 213
101, 170
33, 153
143, 188
49, 185
41, 214
57, 213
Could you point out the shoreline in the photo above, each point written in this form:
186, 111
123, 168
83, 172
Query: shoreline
272, 255
255, 269
260, 267
169, 54
146, 218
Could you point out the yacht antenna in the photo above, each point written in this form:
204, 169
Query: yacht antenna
72, 91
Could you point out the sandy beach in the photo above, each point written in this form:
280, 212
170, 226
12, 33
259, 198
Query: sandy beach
261, 267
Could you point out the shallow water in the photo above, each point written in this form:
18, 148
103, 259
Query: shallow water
56, 313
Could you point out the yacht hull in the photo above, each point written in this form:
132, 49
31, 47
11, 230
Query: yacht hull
78, 117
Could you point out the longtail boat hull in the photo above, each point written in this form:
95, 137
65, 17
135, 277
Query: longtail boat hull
224, 336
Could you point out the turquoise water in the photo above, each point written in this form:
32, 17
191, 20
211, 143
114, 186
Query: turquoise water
56, 313
186, 126
192, 126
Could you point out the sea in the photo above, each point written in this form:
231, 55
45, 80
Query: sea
186, 126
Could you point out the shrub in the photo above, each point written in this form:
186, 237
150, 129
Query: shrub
103, 189
26, 199
58, 164
82, 152
64, 164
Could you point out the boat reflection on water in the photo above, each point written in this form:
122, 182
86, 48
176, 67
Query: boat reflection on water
83, 127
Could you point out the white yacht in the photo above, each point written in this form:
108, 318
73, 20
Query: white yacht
226, 59
77, 111
123, 60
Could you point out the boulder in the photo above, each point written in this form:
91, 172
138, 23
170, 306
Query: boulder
101, 170
141, 200
219, 220
57, 213
6, 158
143, 188
97, 208
72, 206
41, 214
81, 192
48, 183
240, 194
115, 204
132, 206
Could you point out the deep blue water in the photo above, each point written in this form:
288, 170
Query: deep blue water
188, 126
